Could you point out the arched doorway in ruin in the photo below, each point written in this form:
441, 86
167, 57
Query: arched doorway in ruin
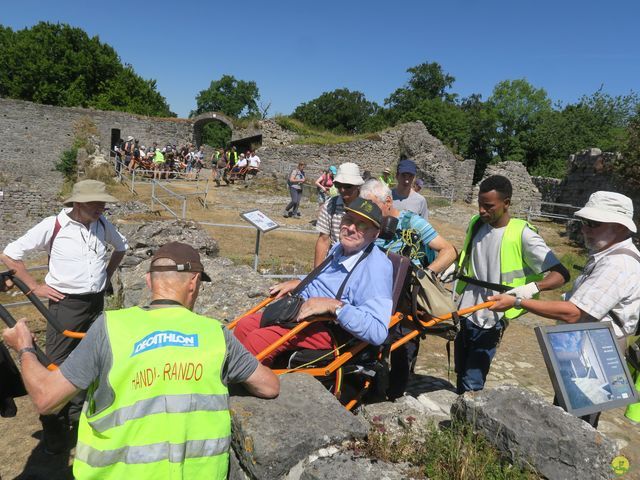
200, 121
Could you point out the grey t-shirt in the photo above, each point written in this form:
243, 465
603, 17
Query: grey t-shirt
92, 359
485, 263
415, 203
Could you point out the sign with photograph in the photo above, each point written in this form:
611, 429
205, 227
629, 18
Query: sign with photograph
587, 368
259, 220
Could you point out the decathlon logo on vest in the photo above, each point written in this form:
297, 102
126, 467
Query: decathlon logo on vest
165, 338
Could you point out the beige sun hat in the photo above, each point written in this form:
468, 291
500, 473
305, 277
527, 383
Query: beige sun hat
349, 173
609, 207
89, 191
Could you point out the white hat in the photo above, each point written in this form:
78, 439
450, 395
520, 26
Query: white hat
129, 138
609, 207
89, 191
349, 173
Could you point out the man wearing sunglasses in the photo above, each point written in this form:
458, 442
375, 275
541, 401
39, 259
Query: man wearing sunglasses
354, 286
347, 181
608, 289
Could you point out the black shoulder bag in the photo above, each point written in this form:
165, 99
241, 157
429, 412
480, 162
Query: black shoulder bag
283, 312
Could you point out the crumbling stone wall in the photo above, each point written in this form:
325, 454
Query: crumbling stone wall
34, 136
436, 164
526, 197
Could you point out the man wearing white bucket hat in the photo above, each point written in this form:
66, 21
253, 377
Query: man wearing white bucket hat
347, 181
80, 267
608, 289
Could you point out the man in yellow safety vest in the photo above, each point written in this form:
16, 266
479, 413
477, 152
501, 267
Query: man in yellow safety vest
157, 376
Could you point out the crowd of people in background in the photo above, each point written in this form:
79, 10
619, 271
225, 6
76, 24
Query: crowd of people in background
171, 160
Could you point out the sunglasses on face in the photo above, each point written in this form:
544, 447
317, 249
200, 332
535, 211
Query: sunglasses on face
360, 225
343, 186
590, 223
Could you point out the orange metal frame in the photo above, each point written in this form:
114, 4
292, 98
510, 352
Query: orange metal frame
343, 358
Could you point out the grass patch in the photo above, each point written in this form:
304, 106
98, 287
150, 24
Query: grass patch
454, 453
312, 136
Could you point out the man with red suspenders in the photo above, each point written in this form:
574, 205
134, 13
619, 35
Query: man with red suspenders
80, 267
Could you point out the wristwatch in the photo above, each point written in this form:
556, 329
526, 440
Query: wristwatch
339, 309
518, 303
24, 350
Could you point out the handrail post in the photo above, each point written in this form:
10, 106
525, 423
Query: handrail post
153, 191
184, 207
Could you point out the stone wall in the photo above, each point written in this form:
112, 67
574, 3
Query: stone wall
526, 196
34, 136
436, 164
548, 187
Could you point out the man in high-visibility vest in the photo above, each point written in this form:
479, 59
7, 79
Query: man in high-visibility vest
500, 254
608, 289
157, 376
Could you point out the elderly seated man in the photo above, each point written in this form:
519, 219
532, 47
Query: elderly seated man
362, 306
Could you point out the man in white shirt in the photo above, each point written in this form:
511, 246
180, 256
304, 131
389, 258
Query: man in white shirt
79, 270
608, 289
254, 160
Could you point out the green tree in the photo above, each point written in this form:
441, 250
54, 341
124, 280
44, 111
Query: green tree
340, 111
444, 120
427, 82
483, 122
628, 168
236, 98
61, 65
519, 107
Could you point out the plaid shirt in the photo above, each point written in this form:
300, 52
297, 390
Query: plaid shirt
330, 224
610, 283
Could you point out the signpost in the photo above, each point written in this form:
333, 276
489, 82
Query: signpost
263, 224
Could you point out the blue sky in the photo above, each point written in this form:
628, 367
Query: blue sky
296, 50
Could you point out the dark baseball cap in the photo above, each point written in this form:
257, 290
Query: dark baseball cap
186, 257
366, 209
407, 166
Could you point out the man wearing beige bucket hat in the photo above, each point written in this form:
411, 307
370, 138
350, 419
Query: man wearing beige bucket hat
77, 241
608, 289
347, 181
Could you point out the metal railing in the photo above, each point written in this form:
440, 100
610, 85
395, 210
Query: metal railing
554, 214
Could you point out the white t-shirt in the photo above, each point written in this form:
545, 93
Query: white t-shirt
485, 263
414, 202
254, 161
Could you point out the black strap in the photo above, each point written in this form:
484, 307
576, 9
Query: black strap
312, 274
362, 257
491, 286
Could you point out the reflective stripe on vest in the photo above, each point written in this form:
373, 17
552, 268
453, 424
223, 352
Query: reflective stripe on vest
169, 414
513, 271
167, 403
175, 453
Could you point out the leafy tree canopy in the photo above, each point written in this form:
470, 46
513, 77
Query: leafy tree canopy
57, 64
427, 82
236, 98
340, 111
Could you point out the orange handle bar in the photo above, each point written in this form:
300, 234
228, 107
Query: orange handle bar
264, 303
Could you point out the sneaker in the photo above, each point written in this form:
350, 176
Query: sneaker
286, 214
298, 214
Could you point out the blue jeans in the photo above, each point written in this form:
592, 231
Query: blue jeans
475, 348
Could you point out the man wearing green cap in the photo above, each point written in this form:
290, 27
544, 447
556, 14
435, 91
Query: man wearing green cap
77, 241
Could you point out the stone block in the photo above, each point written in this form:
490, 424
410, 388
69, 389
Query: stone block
270, 437
531, 432
346, 466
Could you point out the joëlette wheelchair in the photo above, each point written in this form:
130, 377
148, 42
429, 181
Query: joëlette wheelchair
355, 371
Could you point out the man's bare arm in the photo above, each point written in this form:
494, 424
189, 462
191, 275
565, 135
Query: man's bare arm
41, 290
49, 390
116, 258
322, 247
263, 383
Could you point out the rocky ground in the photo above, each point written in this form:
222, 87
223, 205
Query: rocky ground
518, 362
